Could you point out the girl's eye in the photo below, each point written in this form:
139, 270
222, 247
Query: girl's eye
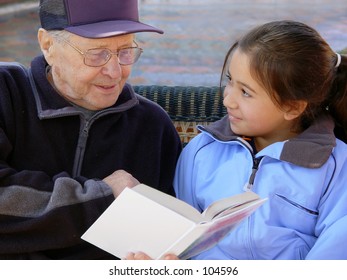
245, 93
229, 80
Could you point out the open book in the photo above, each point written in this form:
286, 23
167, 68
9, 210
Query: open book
145, 219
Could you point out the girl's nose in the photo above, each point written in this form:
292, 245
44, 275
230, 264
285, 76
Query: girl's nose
229, 100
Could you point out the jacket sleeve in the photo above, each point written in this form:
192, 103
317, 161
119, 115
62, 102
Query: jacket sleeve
52, 215
184, 185
33, 220
184, 180
331, 227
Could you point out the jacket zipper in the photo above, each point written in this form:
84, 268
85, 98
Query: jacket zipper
81, 146
248, 187
256, 161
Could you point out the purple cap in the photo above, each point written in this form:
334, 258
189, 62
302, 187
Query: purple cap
93, 18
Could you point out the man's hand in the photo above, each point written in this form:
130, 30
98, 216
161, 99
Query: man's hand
119, 180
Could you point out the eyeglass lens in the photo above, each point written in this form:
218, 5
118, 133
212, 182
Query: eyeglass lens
99, 57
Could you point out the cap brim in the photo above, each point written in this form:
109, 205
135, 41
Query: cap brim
111, 28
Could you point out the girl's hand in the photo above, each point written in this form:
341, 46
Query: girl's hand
143, 256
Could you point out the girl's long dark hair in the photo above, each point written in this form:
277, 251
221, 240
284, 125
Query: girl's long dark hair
293, 62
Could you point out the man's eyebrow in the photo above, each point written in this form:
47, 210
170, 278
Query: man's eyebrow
103, 45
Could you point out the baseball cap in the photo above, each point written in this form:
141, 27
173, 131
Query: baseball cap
93, 18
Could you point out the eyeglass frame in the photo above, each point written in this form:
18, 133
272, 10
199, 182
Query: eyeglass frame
110, 53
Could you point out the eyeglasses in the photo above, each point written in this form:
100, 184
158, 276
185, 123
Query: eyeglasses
100, 56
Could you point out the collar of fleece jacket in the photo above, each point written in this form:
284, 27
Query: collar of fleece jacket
311, 148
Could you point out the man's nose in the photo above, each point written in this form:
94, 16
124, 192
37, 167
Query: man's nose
112, 68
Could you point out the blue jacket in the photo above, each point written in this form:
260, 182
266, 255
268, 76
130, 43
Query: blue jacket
304, 179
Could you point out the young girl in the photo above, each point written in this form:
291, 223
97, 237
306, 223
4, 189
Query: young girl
285, 93
285, 89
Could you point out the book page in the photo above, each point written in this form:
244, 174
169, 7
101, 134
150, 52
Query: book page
217, 207
219, 228
135, 223
170, 202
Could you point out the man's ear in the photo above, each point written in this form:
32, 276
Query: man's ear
45, 42
294, 110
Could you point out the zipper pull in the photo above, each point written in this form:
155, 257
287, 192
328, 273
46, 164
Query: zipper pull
247, 187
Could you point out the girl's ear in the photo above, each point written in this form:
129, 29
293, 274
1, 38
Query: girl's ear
46, 42
294, 110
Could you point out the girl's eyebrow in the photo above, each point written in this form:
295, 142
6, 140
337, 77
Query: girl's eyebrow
247, 86
241, 83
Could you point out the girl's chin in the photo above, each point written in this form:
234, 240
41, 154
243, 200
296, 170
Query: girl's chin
236, 129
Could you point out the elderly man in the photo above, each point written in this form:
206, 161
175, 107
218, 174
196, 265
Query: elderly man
73, 133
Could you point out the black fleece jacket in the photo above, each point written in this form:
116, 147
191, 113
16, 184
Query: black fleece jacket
52, 162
